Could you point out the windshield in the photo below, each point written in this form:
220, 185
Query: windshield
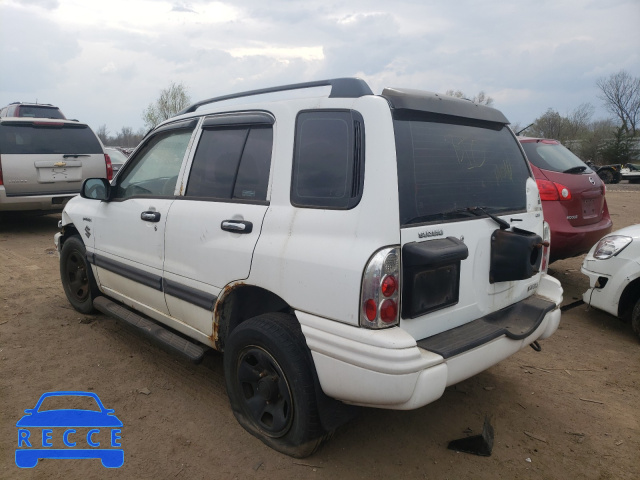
448, 165
553, 157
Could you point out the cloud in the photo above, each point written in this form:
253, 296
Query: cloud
182, 7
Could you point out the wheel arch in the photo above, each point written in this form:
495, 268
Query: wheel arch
628, 299
240, 302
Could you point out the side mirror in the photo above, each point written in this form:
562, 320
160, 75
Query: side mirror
96, 189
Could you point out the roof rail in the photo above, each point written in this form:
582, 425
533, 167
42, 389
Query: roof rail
340, 88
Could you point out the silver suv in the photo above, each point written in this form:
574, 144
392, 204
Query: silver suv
44, 161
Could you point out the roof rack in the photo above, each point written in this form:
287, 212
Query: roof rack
340, 88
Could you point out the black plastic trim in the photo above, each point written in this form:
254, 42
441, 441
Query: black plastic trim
132, 273
237, 119
404, 98
191, 295
223, 200
340, 88
66, 193
516, 321
191, 123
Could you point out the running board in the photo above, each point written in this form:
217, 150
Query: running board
164, 337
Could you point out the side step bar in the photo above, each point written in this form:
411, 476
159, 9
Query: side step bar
164, 337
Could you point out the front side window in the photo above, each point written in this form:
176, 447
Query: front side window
232, 163
447, 165
154, 170
328, 160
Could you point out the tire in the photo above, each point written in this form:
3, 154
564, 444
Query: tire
269, 376
635, 319
77, 278
606, 176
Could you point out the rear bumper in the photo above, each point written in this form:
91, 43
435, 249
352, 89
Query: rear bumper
389, 369
567, 240
33, 203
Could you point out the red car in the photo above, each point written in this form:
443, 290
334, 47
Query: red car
573, 197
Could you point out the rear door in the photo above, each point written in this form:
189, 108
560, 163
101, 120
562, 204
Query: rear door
42, 157
213, 228
129, 230
452, 173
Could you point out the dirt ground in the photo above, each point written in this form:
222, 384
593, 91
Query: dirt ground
570, 411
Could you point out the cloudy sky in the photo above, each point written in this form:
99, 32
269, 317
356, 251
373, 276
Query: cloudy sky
104, 62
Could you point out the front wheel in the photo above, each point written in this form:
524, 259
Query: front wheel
76, 275
635, 318
270, 383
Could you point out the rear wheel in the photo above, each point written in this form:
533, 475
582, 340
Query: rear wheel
76, 275
270, 383
635, 318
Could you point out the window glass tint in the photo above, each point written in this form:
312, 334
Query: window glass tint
28, 138
444, 168
154, 170
253, 173
232, 163
554, 157
39, 112
324, 171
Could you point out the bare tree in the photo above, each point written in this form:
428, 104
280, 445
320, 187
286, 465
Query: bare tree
481, 99
621, 96
171, 101
103, 134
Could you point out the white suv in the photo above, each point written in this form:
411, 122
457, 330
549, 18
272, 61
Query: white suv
341, 248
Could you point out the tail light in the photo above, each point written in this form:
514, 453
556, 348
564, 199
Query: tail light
107, 161
553, 191
546, 240
380, 293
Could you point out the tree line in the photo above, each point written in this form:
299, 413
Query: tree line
601, 141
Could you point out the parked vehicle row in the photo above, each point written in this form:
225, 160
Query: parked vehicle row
340, 248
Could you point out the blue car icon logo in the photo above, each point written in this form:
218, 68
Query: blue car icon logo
87, 430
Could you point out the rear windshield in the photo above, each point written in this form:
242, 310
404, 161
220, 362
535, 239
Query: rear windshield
447, 165
554, 157
28, 138
39, 112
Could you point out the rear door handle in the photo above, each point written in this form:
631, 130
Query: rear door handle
236, 226
150, 216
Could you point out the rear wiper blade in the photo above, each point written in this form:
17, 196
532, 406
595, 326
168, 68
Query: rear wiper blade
503, 223
455, 213
75, 155
578, 169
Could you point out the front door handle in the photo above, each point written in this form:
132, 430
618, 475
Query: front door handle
237, 226
150, 216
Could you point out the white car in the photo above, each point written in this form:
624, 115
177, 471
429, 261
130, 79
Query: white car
339, 247
613, 268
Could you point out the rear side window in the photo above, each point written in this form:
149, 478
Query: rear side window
232, 163
328, 162
28, 138
447, 164
552, 156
